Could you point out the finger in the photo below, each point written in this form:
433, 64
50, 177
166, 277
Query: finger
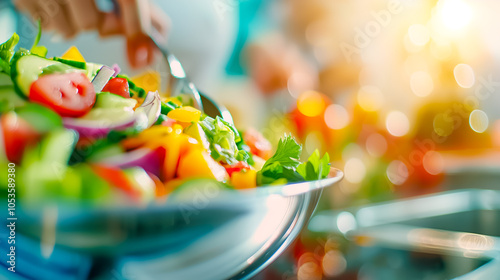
135, 17
140, 51
31, 7
84, 14
160, 21
110, 24
58, 17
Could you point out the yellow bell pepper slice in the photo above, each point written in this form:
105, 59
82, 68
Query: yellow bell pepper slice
149, 81
185, 114
174, 100
73, 54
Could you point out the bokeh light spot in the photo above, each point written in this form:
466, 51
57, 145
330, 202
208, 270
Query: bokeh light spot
433, 163
309, 271
354, 170
376, 145
397, 172
346, 222
418, 34
478, 121
333, 263
352, 150
298, 82
421, 83
311, 103
455, 14
397, 123
336, 116
370, 98
464, 75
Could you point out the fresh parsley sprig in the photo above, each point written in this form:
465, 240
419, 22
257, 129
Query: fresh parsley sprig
285, 164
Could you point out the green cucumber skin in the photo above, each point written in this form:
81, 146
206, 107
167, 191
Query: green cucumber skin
14, 73
74, 63
42, 118
90, 67
111, 100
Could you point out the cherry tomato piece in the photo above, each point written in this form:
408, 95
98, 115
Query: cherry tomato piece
17, 135
237, 167
258, 145
69, 94
118, 86
116, 177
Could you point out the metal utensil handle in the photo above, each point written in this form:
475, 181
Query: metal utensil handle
178, 83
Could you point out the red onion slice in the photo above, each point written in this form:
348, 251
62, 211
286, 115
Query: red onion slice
96, 128
149, 160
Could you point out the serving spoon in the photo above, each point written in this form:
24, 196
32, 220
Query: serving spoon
178, 83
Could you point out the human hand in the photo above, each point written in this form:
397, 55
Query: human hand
134, 20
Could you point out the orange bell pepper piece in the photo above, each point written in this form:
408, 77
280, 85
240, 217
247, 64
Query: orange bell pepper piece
197, 163
244, 179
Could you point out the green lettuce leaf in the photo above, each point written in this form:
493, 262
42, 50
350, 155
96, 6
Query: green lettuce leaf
316, 167
7, 52
222, 140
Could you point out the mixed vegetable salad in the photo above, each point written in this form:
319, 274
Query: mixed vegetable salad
84, 131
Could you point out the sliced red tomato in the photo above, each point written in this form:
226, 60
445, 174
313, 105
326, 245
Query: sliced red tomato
237, 167
17, 135
258, 145
70, 94
116, 177
118, 86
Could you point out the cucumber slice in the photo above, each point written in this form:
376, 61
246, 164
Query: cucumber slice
92, 69
57, 146
45, 169
108, 116
41, 118
111, 100
27, 68
106, 152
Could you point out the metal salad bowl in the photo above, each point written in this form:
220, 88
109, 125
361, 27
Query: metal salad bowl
204, 233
